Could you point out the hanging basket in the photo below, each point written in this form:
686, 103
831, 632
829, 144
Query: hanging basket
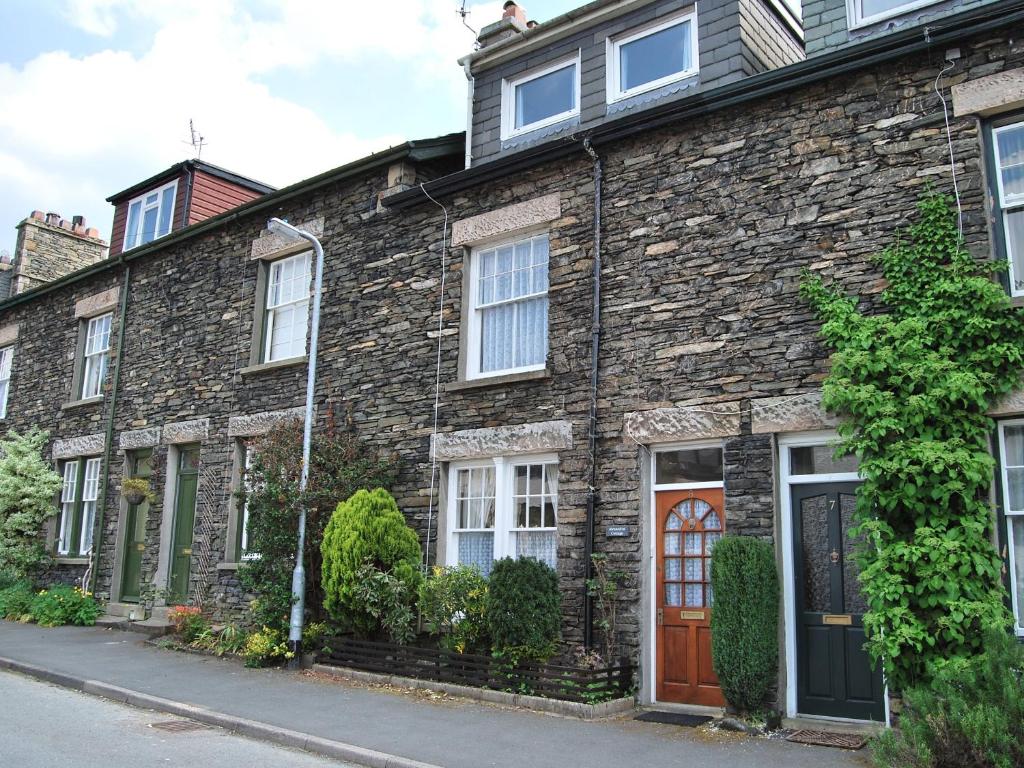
134, 496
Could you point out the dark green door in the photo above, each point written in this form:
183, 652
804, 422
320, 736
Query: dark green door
184, 522
835, 676
140, 465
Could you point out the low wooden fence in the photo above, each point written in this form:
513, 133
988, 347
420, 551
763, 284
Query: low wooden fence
552, 681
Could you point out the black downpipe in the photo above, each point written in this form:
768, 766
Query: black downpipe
595, 345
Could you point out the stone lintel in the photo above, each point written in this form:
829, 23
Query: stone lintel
699, 422
135, 439
511, 218
990, 95
255, 424
1011, 405
270, 245
8, 334
96, 304
800, 413
192, 431
73, 447
502, 441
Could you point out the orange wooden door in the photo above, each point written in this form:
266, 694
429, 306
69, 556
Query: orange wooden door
688, 525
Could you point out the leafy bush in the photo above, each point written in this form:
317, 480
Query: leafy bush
314, 636
970, 716
27, 488
189, 622
340, 464
62, 605
744, 621
366, 528
453, 604
16, 602
913, 386
388, 600
9, 577
266, 646
524, 609
230, 639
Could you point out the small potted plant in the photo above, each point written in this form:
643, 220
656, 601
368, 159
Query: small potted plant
135, 490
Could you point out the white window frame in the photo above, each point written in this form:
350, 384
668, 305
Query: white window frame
474, 336
1018, 619
505, 528
243, 539
270, 311
67, 505
856, 19
6, 363
134, 239
508, 97
96, 357
72, 496
90, 495
672, 448
1007, 204
613, 47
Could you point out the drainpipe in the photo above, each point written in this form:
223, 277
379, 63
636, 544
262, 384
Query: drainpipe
97, 535
185, 209
595, 344
470, 89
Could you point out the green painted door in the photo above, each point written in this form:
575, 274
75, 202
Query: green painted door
140, 465
184, 522
835, 676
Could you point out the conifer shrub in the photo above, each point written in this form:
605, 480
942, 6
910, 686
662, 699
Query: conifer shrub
744, 621
524, 609
366, 529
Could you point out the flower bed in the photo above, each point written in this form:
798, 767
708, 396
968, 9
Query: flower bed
588, 686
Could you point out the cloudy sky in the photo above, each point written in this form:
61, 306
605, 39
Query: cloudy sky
96, 95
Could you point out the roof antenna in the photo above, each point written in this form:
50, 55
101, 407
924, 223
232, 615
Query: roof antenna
464, 13
197, 140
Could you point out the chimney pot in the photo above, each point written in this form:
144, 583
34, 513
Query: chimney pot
513, 11
38, 216
78, 221
531, 24
53, 219
93, 232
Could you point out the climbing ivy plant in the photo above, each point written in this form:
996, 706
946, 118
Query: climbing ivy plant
912, 385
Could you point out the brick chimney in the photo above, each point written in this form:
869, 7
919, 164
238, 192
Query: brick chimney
49, 247
513, 22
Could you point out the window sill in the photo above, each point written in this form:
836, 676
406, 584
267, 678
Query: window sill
62, 560
1017, 301
287, 362
228, 566
82, 403
498, 381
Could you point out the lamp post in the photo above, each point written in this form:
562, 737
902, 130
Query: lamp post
280, 227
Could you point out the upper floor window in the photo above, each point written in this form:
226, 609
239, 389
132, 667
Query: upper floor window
149, 216
652, 57
78, 496
1008, 146
540, 98
6, 357
508, 323
864, 12
94, 359
287, 308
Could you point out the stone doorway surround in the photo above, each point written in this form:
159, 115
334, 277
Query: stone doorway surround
129, 441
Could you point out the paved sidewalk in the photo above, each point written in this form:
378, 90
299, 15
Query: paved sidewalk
453, 733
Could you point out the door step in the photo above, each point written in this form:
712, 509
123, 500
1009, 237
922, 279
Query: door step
149, 627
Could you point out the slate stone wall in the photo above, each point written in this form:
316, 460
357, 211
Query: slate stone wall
706, 228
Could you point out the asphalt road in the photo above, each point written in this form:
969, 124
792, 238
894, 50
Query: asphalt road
42, 726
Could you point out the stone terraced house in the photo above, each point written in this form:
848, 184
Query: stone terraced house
625, 364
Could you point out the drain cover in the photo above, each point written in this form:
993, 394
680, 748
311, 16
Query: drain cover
179, 726
828, 739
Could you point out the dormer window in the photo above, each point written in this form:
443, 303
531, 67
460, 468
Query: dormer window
541, 97
653, 56
149, 216
865, 12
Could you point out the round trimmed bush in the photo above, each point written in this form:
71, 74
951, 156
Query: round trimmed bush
524, 609
367, 528
744, 621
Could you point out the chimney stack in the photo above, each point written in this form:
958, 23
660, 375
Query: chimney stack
512, 22
514, 11
49, 247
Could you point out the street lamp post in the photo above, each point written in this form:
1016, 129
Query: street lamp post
280, 227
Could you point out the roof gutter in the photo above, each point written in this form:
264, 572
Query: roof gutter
773, 82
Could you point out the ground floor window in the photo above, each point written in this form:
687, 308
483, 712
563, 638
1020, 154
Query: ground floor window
79, 492
243, 516
503, 507
1011, 445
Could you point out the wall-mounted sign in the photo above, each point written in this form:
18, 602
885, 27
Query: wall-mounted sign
617, 531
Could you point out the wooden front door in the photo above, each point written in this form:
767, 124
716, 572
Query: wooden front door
184, 522
835, 676
688, 523
140, 465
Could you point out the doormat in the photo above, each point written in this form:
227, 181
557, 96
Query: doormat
179, 726
673, 718
828, 739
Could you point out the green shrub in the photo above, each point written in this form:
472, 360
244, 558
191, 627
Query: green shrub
453, 605
744, 621
388, 600
970, 716
189, 623
27, 487
524, 609
9, 577
62, 605
16, 602
266, 646
366, 528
